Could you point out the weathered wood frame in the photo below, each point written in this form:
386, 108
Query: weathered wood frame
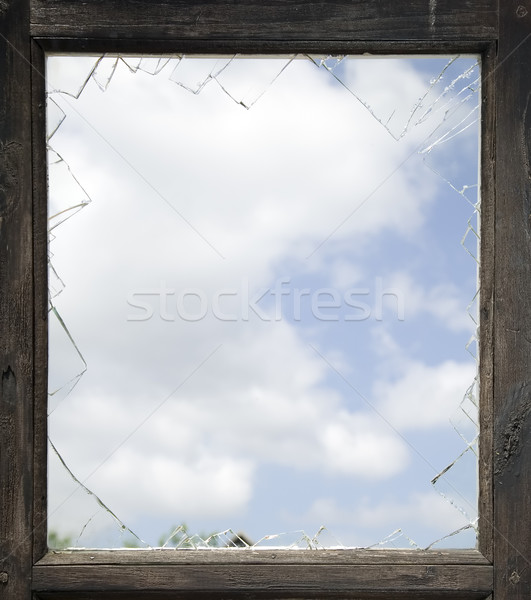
501, 33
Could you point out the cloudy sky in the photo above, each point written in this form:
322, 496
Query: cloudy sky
260, 296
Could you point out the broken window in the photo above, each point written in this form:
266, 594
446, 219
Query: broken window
263, 301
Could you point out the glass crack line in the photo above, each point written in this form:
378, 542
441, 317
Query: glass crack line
473, 90
91, 474
447, 468
201, 84
449, 535
419, 104
77, 377
83, 85
390, 538
269, 85
76, 207
416, 150
390, 425
91, 493
450, 134
144, 179
152, 412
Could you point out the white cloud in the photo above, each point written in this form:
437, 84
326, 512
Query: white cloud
444, 301
164, 484
417, 512
209, 437
423, 396
361, 446
344, 274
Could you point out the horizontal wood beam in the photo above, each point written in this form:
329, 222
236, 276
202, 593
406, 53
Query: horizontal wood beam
208, 47
170, 556
264, 574
272, 581
463, 20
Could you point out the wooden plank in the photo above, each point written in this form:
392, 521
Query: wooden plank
259, 47
40, 246
512, 304
265, 594
272, 19
16, 303
271, 581
486, 301
262, 556
262, 595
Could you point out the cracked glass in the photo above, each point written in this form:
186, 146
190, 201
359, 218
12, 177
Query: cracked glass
262, 301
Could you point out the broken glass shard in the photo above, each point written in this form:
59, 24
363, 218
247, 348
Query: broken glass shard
247, 80
70, 76
66, 196
194, 74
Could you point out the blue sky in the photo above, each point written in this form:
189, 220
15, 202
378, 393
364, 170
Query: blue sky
271, 301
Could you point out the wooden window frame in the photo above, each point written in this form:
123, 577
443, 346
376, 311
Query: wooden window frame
499, 30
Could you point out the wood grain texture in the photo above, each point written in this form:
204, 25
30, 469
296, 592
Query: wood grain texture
210, 47
512, 305
40, 252
16, 303
297, 580
262, 556
486, 301
272, 19
264, 574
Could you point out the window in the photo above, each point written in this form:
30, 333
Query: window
278, 285
501, 564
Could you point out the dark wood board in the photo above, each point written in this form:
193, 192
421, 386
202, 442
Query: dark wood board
232, 46
512, 307
273, 20
276, 580
486, 300
16, 303
268, 573
40, 245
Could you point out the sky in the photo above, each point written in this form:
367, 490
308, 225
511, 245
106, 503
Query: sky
261, 288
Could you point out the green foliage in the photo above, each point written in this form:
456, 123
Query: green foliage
57, 542
177, 537
180, 537
131, 543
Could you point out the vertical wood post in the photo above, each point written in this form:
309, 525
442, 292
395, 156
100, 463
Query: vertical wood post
512, 306
16, 303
